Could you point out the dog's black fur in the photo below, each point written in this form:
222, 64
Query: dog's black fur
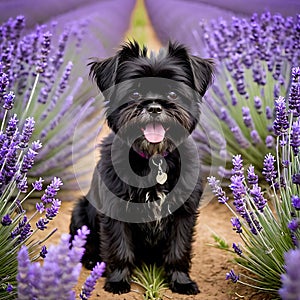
131, 84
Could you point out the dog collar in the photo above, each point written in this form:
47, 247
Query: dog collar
147, 156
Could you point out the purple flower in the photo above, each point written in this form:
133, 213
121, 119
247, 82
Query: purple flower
43, 251
255, 137
269, 113
4, 81
8, 100
237, 249
40, 207
90, 282
60, 269
294, 96
295, 136
239, 136
296, 202
268, 169
232, 276
27, 132
258, 198
45, 50
22, 277
217, 189
236, 224
296, 178
11, 127
257, 104
293, 225
252, 178
9, 288
247, 117
22, 231
28, 160
21, 181
237, 163
36, 145
6, 220
253, 223
269, 141
239, 191
38, 184
52, 190
280, 124
51, 212
290, 288
41, 223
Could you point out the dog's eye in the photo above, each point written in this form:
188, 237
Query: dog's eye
135, 95
172, 95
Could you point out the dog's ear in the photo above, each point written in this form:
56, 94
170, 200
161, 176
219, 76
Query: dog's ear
203, 72
104, 72
131, 50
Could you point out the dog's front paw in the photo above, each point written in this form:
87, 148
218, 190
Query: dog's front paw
119, 287
190, 288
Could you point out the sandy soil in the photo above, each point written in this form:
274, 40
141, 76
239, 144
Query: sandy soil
209, 265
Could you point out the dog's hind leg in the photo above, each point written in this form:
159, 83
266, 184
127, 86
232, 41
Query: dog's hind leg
85, 214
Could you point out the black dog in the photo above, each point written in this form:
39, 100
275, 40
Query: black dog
143, 200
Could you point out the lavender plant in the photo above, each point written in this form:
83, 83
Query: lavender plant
38, 68
17, 157
254, 58
290, 280
58, 275
268, 221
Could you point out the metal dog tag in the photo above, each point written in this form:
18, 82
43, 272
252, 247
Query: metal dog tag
161, 177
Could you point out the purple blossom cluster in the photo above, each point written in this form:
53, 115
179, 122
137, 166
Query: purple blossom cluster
58, 275
51, 89
90, 282
17, 158
252, 55
257, 223
290, 280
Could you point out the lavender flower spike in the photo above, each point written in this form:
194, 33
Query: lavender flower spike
216, 189
24, 291
51, 190
231, 275
295, 136
269, 170
27, 132
252, 178
90, 282
236, 224
290, 280
296, 202
281, 123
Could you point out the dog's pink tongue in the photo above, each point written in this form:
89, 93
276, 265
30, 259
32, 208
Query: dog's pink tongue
154, 132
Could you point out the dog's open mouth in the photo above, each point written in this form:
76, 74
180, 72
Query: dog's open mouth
154, 132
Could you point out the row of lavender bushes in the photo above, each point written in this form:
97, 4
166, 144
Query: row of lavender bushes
57, 92
268, 221
251, 121
253, 55
44, 96
21, 274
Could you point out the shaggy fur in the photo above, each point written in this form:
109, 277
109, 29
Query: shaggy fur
140, 89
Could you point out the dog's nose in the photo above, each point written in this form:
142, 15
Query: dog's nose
154, 108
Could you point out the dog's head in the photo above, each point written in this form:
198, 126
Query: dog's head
152, 101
